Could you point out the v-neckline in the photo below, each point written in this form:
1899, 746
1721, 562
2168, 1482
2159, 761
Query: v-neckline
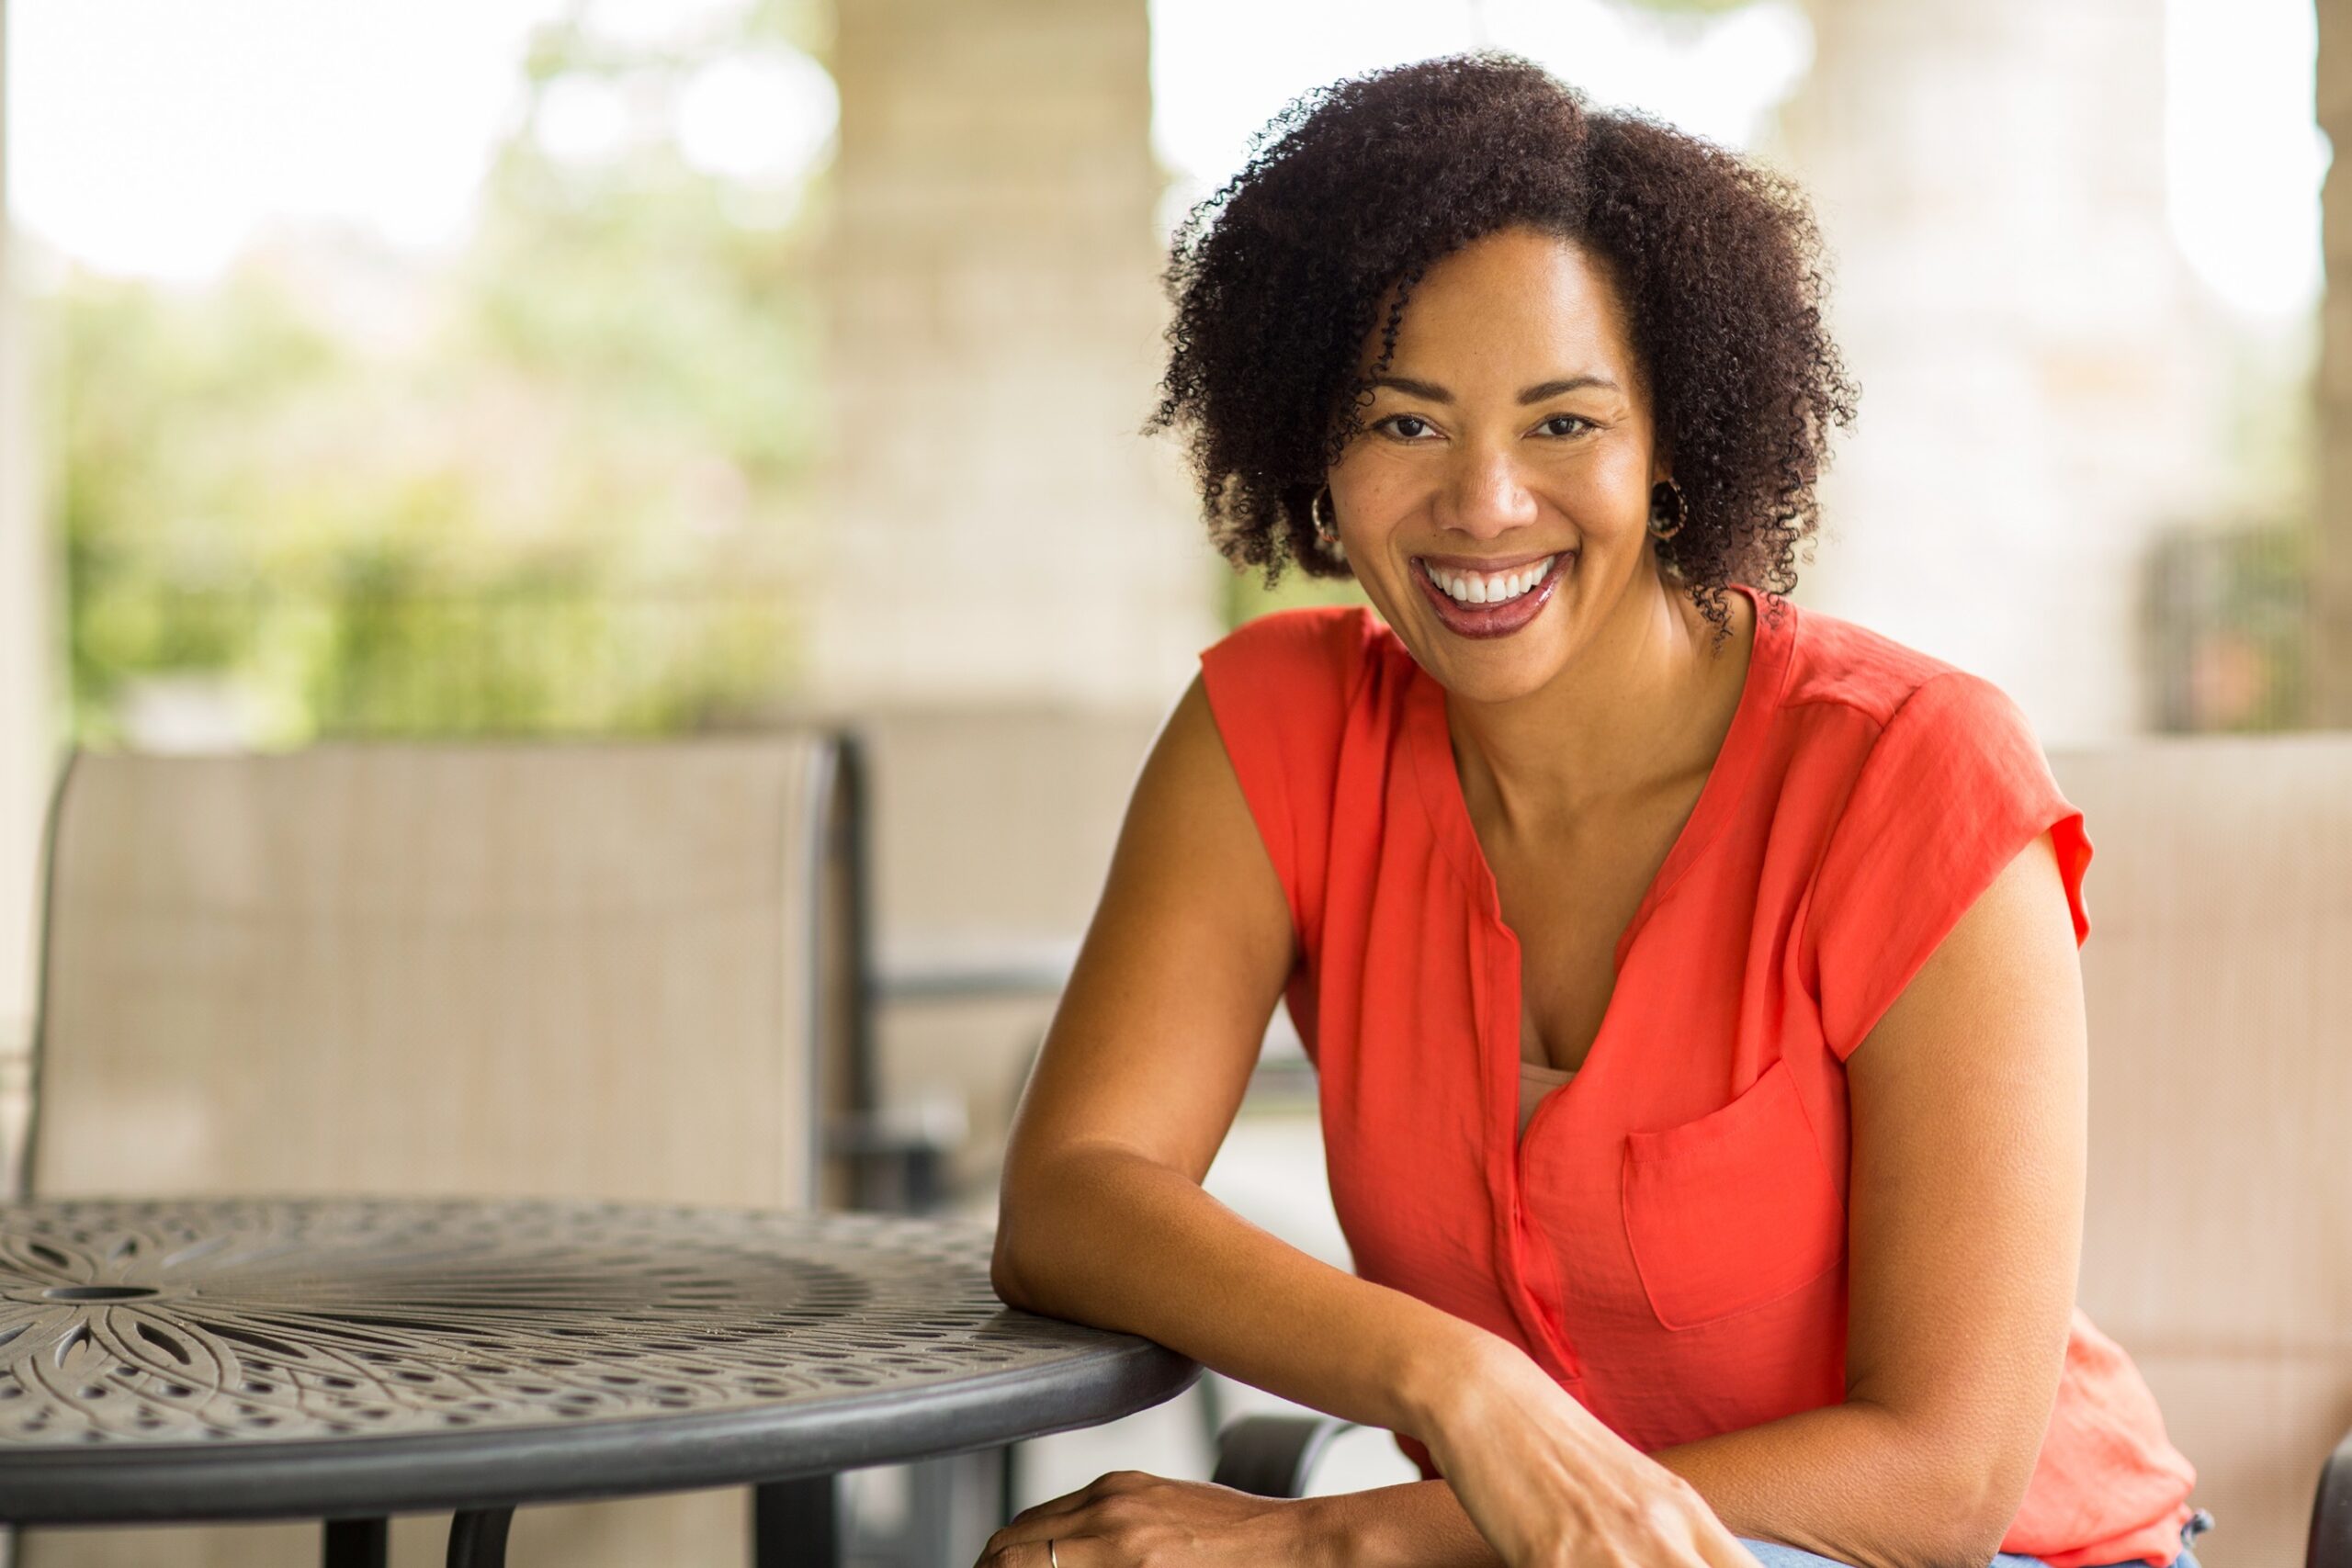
1449, 809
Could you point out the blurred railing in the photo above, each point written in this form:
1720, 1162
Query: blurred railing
262, 666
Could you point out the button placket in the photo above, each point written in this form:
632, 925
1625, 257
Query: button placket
1538, 1312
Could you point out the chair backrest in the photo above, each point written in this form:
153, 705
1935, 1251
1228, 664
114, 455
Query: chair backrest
627, 971
509, 969
2218, 1248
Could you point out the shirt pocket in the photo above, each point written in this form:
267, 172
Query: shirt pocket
1733, 1210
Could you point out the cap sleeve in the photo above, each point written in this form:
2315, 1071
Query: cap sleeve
1279, 688
1953, 790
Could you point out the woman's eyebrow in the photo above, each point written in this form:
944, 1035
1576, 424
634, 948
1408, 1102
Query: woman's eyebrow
1534, 394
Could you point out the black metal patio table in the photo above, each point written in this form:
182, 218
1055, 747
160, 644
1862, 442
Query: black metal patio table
347, 1360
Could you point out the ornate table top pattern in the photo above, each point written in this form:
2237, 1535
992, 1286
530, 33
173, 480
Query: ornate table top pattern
133, 1329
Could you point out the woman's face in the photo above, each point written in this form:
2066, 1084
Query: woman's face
1508, 442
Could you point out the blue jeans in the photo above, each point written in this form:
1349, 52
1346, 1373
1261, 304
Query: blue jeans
1775, 1554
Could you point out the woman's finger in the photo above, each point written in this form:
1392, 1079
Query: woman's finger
1043, 1549
1720, 1549
1103, 1486
1052, 1507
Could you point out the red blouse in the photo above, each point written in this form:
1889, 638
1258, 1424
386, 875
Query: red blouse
1668, 1238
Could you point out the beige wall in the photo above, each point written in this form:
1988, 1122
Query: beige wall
994, 529
1009, 583
2332, 596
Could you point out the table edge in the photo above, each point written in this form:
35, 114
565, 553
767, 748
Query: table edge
571, 1462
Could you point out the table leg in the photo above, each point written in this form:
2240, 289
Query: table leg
796, 1524
478, 1540
355, 1543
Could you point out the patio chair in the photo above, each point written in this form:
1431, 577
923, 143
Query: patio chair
629, 971
2216, 1249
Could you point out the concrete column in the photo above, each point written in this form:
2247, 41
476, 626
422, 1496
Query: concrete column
29, 706
994, 528
2331, 603
1990, 181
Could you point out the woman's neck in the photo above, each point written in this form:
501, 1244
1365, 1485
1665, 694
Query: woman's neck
1644, 704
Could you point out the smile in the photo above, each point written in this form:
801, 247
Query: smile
1491, 603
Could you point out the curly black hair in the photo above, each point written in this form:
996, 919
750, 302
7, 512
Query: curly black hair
1355, 190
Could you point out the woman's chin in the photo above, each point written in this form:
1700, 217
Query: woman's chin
1492, 672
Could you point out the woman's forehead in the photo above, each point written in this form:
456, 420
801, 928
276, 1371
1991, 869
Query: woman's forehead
1504, 302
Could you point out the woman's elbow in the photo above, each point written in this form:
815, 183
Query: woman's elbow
1004, 1264
1954, 1502
1939, 1535
1002, 1281
1004, 1272
1044, 1201
1971, 1545
1971, 1519
1018, 1269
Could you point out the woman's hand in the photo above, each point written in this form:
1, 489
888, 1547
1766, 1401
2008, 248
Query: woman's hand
1131, 1519
1549, 1487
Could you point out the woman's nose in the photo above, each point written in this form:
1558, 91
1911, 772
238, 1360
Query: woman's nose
1485, 497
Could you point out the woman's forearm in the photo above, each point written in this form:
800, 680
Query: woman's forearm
1852, 1482
1415, 1524
1105, 1236
1843, 1481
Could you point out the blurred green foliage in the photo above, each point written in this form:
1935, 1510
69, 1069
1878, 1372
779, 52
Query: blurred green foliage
551, 486
1244, 596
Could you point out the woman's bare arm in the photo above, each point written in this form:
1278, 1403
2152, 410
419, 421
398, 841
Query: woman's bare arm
1101, 1216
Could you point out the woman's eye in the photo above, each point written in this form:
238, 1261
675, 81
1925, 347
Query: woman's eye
1412, 427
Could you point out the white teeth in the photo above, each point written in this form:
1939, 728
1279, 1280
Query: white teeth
1471, 588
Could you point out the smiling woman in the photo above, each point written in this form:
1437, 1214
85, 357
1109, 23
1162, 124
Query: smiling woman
1293, 283
1691, 981
1462, 484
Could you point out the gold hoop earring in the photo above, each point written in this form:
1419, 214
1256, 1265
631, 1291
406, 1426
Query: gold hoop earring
1327, 523
1659, 510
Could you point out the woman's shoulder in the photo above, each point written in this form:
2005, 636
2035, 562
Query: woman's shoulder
1845, 677
1308, 637
1285, 691
1924, 780
1308, 659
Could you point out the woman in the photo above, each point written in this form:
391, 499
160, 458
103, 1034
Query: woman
1692, 981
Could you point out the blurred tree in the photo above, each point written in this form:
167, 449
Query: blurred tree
551, 486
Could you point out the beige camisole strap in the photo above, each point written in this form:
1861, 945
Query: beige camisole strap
1537, 1077
1535, 1081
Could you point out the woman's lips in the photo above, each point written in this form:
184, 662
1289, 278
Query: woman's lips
1492, 620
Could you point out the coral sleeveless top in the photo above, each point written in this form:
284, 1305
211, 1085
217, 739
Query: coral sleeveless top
1666, 1237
